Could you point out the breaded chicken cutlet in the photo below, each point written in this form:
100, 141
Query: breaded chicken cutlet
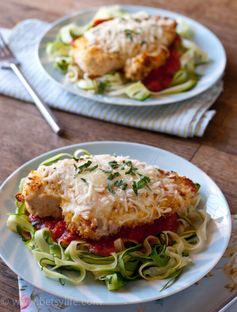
135, 44
98, 195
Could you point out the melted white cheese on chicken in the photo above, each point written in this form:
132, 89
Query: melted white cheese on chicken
135, 43
99, 194
125, 34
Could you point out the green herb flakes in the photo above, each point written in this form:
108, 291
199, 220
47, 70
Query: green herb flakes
129, 33
85, 167
102, 85
113, 164
121, 184
132, 170
110, 187
143, 182
84, 180
106, 171
197, 186
92, 168
113, 175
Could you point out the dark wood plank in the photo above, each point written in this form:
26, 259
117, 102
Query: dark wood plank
222, 167
28, 135
9, 298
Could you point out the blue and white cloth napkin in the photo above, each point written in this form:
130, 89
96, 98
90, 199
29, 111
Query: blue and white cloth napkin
186, 119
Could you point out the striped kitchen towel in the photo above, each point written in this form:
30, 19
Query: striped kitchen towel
186, 119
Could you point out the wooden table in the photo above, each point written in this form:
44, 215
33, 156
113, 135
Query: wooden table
24, 134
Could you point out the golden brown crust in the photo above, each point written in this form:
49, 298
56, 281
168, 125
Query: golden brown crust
20, 197
34, 182
139, 67
38, 201
93, 60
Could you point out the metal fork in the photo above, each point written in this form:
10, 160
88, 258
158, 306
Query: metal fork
8, 60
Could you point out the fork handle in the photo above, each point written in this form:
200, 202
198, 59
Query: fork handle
43, 108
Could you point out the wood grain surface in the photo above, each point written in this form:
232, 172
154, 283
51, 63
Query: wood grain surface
24, 134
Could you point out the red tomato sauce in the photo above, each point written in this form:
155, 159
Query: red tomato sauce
100, 21
160, 78
105, 246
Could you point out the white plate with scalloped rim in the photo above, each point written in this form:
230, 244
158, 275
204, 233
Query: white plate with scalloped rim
206, 39
21, 261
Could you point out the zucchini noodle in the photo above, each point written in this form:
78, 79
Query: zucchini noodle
159, 257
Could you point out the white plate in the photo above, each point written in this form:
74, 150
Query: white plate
21, 261
203, 37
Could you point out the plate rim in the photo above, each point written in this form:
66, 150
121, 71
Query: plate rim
120, 101
92, 143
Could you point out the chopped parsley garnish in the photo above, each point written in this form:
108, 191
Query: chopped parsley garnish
92, 168
113, 175
197, 186
121, 184
134, 187
62, 64
106, 171
122, 19
84, 180
129, 33
110, 187
85, 167
137, 20
113, 164
143, 182
102, 86
132, 170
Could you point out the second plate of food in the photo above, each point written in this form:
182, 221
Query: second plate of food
132, 55
112, 195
